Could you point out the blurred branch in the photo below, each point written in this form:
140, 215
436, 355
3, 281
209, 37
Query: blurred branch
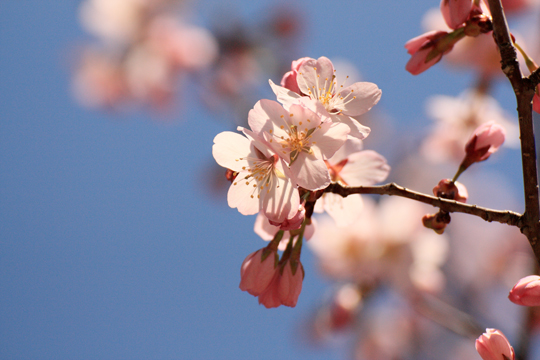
505, 217
524, 90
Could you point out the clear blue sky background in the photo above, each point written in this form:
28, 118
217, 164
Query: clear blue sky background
111, 247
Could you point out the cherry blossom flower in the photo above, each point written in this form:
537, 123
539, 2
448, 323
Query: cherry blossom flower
526, 292
378, 247
257, 271
289, 80
351, 168
493, 345
263, 182
316, 80
301, 138
285, 287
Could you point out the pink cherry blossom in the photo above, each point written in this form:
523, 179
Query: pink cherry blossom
316, 80
285, 287
258, 270
289, 79
264, 182
526, 292
485, 140
425, 52
493, 345
301, 138
455, 12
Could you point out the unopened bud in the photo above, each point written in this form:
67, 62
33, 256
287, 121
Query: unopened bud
437, 222
452, 190
526, 292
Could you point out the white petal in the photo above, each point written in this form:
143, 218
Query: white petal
358, 130
263, 228
311, 173
351, 146
313, 74
330, 138
359, 98
264, 114
229, 147
243, 197
285, 96
281, 200
365, 168
344, 210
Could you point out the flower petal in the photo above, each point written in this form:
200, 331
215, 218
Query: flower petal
358, 98
285, 96
365, 168
314, 75
311, 173
229, 147
243, 196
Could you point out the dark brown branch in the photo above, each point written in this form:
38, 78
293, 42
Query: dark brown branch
524, 90
505, 217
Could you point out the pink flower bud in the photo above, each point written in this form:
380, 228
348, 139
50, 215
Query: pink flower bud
285, 286
493, 345
455, 12
452, 190
485, 140
526, 292
257, 271
289, 79
427, 49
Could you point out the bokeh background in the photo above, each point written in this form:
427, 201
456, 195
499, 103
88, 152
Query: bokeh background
115, 242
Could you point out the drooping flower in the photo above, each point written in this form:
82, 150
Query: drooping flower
257, 271
285, 287
264, 182
267, 231
526, 292
493, 345
300, 137
316, 80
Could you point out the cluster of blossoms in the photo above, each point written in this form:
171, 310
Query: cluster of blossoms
294, 149
143, 47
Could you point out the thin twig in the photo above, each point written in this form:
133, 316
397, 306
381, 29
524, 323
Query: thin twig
504, 217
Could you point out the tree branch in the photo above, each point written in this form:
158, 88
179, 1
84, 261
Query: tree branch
524, 90
504, 217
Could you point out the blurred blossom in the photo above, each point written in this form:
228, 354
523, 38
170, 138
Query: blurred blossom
378, 247
456, 119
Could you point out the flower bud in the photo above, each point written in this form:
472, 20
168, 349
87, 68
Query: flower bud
526, 292
427, 49
453, 190
257, 271
285, 286
485, 140
437, 222
493, 345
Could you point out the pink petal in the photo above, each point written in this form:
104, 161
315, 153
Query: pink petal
455, 12
313, 74
243, 197
365, 168
229, 147
359, 98
285, 96
311, 172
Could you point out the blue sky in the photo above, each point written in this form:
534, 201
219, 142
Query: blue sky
111, 245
